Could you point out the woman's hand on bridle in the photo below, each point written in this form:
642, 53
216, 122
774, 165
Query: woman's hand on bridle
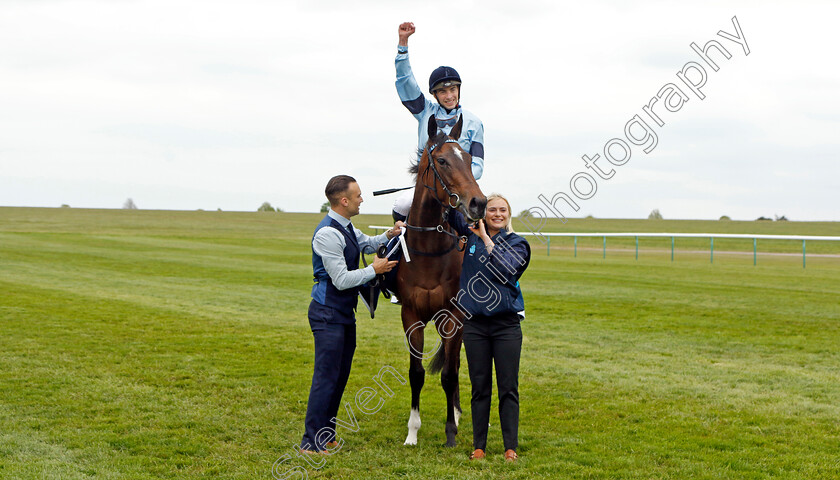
479, 229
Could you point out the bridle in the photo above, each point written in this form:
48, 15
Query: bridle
433, 188
446, 207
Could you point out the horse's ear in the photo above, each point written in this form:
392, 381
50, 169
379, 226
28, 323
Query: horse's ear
456, 130
433, 127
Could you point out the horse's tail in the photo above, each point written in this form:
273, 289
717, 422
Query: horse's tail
436, 365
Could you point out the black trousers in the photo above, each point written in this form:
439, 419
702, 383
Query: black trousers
487, 341
335, 344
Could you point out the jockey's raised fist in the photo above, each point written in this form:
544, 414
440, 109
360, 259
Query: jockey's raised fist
406, 30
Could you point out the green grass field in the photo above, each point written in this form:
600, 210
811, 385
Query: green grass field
151, 344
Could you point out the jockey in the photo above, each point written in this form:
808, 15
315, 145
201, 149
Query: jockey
445, 86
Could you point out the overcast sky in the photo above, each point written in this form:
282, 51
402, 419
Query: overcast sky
220, 104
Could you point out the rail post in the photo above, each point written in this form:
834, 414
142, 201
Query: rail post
712, 250
803, 253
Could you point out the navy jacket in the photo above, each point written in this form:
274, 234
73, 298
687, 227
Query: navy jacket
490, 281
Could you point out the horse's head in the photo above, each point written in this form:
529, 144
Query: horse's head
445, 170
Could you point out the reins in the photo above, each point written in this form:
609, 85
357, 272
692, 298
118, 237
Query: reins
439, 229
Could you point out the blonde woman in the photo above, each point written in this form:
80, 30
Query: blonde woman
494, 259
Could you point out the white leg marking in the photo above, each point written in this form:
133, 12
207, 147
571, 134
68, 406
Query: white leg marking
413, 426
457, 416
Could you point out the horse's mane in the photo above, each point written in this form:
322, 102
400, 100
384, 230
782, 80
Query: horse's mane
414, 168
433, 143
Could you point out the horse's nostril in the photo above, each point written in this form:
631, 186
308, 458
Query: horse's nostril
477, 207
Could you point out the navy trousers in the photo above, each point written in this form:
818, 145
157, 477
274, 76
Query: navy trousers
335, 344
488, 341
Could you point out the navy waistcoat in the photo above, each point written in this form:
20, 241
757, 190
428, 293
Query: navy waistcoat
340, 303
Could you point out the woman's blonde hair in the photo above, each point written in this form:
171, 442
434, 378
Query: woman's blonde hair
494, 196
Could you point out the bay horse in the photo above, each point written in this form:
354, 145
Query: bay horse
428, 285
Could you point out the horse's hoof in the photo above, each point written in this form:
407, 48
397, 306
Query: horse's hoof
451, 432
410, 442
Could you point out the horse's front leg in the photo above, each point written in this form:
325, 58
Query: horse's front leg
449, 381
414, 329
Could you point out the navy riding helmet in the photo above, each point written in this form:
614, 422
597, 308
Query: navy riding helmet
443, 77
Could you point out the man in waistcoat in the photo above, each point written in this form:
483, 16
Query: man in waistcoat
336, 246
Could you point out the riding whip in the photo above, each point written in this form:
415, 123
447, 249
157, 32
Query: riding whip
390, 190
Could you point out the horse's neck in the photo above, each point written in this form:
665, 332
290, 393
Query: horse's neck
426, 211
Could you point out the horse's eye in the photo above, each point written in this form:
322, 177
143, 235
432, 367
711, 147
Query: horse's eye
441, 160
